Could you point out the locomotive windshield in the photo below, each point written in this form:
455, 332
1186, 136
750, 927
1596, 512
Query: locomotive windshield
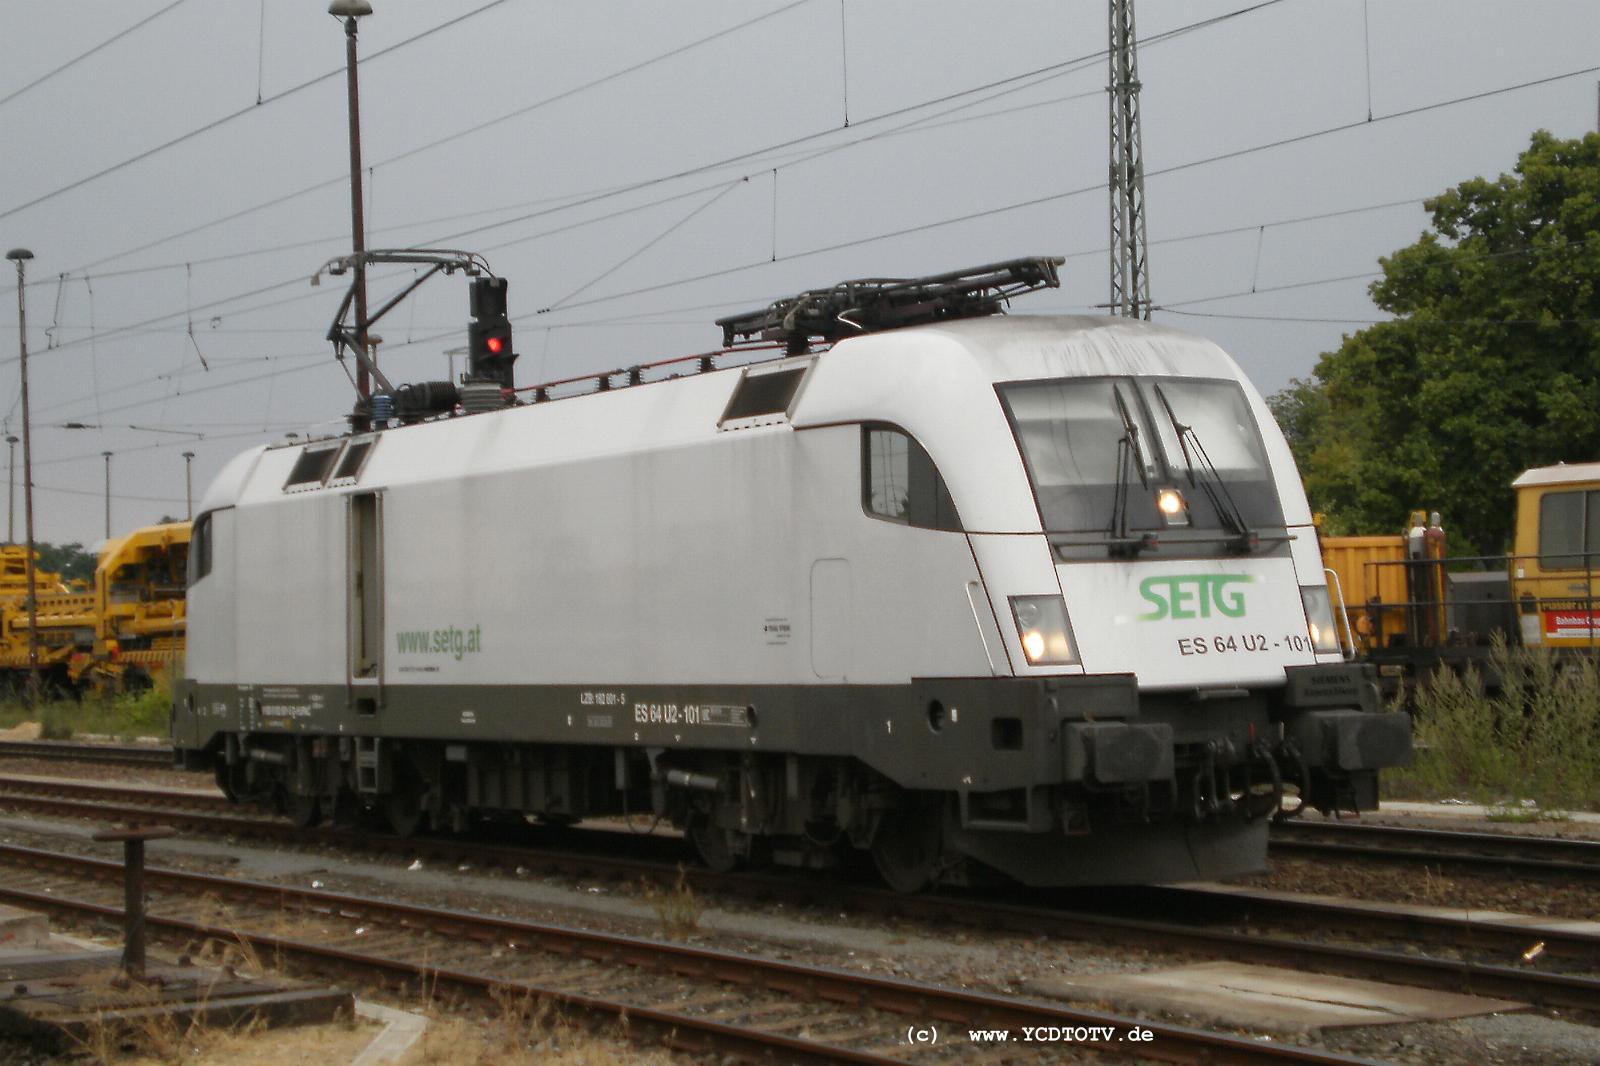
1100, 452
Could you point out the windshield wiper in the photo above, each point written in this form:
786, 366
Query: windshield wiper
1216, 489
1128, 450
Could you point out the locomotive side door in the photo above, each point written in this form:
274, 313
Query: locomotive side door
364, 601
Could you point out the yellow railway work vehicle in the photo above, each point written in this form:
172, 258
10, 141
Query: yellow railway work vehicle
112, 635
1393, 586
67, 620
1555, 565
1415, 609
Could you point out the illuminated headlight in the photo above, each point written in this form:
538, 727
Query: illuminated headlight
1042, 627
1173, 507
1319, 619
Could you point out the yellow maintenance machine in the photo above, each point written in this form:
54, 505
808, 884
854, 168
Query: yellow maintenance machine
1555, 563
139, 587
114, 635
66, 617
1415, 609
1393, 587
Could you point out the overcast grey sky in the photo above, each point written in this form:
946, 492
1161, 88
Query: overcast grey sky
551, 137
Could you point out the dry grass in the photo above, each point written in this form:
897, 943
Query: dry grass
515, 1027
1437, 889
158, 1037
522, 1028
677, 908
337, 1042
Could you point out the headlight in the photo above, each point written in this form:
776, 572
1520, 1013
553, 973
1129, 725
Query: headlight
1319, 619
1042, 627
1173, 507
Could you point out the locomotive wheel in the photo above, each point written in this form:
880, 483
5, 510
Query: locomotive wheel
224, 776
713, 844
403, 810
303, 811
908, 848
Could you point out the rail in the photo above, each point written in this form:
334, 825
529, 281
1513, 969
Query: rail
483, 945
1449, 974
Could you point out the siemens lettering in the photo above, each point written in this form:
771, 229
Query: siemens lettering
1193, 596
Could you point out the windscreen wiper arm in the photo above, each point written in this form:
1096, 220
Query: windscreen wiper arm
1128, 449
1215, 488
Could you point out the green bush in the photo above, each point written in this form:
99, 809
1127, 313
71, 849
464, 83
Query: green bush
1537, 737
125, 715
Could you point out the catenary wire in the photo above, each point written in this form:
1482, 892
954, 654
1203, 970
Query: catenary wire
81, 56
1095, 188
225, 119
458, 234
1168, 35
275, 201
1475, 96
1154, 40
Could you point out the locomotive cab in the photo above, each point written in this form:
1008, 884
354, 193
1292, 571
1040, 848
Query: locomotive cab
1556, 555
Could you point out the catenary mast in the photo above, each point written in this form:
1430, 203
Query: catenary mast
1130, 267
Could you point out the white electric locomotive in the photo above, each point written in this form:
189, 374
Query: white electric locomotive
1033, 594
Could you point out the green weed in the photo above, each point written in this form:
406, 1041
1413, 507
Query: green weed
1535, 739
124, 715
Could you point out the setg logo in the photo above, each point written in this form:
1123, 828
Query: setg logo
1193, 596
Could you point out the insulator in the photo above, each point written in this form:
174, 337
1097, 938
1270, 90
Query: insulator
480, 396
382, 410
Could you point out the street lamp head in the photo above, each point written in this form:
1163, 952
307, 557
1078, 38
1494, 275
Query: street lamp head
349, 9
188, 455
20, 254
12, 438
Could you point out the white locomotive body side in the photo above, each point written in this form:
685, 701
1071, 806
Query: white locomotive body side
815, 622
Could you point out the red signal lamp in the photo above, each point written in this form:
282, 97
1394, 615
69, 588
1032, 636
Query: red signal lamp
496, 345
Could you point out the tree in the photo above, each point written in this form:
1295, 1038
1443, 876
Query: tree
1491, 365
68, 560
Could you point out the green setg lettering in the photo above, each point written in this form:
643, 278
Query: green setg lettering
1193, 596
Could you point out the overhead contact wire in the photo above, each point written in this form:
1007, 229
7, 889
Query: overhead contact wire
657, 239
1064, 66
75, 60
240, 113
1100, 186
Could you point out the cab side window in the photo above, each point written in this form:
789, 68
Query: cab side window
899, 482
1569, 530
200, 550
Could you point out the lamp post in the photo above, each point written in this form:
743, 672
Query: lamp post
108, 494
20, 256
188, 485
350, 11
11, 473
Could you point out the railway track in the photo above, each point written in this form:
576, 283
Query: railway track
77, 751
1499, 852
689, 997
1341, 839
1490, 942
1357, 840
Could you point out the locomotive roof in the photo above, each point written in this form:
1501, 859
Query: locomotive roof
1560, 474
936, 381
1020, 347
